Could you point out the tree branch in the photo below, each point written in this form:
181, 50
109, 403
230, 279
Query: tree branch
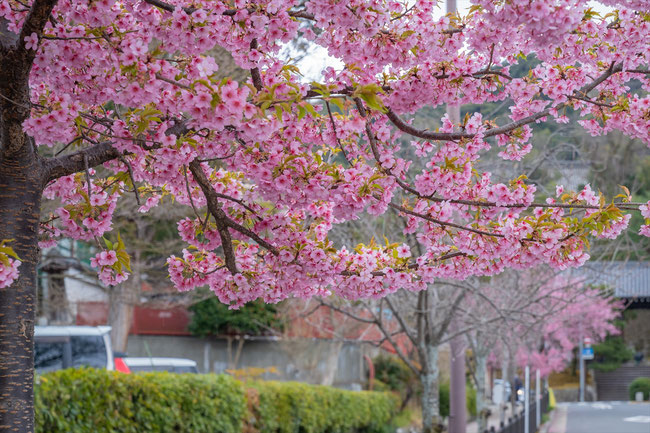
441, 136
219, 215
401, 321
35, 22
65, 165
255, 72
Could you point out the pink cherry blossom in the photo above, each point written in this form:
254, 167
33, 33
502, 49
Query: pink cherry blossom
31, 42
266, 172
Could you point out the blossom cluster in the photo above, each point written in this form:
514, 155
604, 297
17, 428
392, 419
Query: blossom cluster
8, 271
268, 168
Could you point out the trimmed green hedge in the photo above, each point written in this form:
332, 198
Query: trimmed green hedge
288, 407
640, 384
98, 401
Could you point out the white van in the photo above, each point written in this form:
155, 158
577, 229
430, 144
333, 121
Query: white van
173, 365
59, 347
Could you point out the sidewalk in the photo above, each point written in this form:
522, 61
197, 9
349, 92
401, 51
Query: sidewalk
493, 420
557, 424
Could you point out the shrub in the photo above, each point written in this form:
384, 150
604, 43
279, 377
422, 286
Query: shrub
288, 407
100, 401
391, 373
211, 317
470, 399
87, 400
640, 384
611, 354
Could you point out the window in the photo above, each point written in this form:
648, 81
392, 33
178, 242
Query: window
88, 351
51, 354
140, 368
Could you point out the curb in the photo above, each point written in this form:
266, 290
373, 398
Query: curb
557, 421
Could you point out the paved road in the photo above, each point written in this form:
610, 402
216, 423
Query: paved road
603, 417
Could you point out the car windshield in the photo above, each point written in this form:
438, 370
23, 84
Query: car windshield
48, 356
88, 350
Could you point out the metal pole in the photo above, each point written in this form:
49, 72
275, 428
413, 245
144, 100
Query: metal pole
457, 399
457, 405
538, 399
527, 402
582, 368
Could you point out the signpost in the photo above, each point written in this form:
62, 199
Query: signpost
586, 353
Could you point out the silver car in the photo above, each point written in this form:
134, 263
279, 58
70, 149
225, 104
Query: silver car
59, 347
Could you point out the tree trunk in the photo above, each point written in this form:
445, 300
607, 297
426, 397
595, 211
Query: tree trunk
122, 301
331, 363
20, 200
431, 421
120, 314
482, 411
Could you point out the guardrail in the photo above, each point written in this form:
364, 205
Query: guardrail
516, 423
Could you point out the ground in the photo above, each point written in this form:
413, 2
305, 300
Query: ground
601, 417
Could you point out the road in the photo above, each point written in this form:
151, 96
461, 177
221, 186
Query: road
602, 417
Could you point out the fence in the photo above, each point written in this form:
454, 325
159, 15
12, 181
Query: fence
516, 424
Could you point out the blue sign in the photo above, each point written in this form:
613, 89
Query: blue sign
588, 353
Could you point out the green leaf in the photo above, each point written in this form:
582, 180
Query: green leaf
125, 259
339, 103
9, 252
301, 112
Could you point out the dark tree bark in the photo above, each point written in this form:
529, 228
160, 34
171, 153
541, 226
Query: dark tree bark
21, 188
20, 198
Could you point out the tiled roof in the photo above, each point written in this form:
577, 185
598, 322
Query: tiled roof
629, 279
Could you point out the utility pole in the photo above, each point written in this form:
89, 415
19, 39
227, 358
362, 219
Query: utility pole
538, 399
457, 399
582, 367
527, 401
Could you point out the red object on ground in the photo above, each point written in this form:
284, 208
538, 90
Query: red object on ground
120, 365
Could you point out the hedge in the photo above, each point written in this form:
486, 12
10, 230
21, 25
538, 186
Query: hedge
288, 407
98, 401
640, 384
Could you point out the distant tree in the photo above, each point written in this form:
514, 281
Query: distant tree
211, 317
611, 354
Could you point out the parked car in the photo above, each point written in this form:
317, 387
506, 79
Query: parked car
173, 365
59, 347
120, 365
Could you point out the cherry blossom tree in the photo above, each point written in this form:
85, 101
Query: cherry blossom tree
106, 97
583, 312
540, 317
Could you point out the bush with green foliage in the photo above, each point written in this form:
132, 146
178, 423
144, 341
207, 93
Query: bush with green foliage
288, 407
100, 401
470, 399
640, 384
211, 317
393, 372
611, 354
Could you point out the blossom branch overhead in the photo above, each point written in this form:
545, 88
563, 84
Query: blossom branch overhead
125, 98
